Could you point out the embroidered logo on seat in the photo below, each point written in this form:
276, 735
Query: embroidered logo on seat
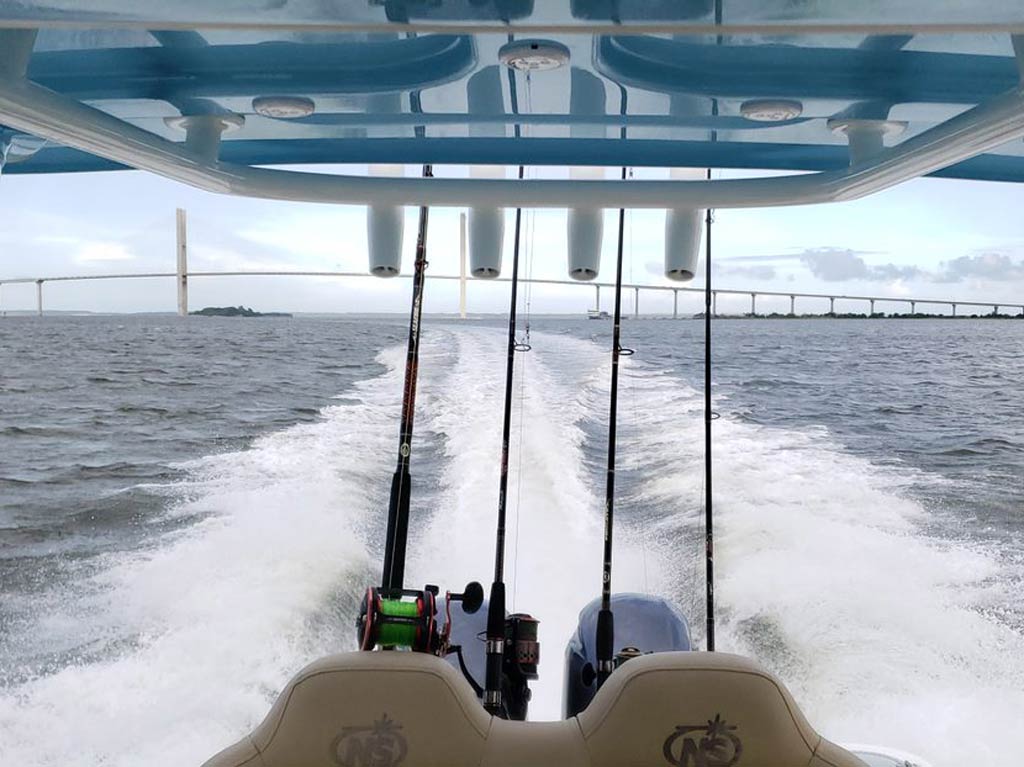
714, 744
377, 745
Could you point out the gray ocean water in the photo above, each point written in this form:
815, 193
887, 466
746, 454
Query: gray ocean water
189, 509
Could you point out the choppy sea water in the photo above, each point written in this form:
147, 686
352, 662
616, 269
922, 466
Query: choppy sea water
189, 510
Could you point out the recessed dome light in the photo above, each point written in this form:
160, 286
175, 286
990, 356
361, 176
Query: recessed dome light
534, 55
771, 110
283, 107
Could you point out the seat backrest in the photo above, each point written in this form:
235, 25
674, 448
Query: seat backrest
695, 709
400, 709
368, 710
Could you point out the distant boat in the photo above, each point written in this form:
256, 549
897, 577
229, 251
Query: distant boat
597, 314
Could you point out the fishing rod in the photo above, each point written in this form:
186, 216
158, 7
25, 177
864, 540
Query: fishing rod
605, 619
709, 538
398, 506
496, 604
519, 631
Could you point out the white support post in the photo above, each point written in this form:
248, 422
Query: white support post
753, 304
462, 265
636, 303
954, 309
39, 297
714, 303
913, 307
871, 311
792, 306
182, 264
831, 304
597, 300
675, 304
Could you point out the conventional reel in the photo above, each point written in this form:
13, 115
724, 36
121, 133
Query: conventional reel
391, 619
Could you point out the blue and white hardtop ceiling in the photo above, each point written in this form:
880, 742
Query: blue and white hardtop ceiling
799, 85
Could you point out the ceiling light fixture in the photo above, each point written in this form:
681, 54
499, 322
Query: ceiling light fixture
771, 110
534, 55
283, 107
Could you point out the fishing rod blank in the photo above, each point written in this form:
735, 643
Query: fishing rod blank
496, 605
605, 619
398, 507
709, 547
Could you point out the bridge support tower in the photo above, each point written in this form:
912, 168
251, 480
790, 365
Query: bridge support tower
182, 271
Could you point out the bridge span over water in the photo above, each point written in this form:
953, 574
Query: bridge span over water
182, 275
869, 303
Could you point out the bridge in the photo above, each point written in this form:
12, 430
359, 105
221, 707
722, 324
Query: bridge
868, 302
182, 276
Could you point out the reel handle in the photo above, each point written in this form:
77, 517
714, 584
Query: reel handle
472, 598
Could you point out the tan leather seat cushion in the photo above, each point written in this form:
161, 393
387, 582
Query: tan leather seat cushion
397, 709
369, 710
701, 710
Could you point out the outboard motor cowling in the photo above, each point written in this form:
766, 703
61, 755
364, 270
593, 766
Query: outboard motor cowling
643, 625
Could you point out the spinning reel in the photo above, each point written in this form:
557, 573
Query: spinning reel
519, 663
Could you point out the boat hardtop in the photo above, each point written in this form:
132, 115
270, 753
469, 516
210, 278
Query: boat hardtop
845, 100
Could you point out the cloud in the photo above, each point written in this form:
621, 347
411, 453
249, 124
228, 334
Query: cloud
894, 273
832, 264
996, 267
843, 265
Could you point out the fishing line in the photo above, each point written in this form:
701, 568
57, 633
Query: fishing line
631, 387
531, 228
528, 251
519, 481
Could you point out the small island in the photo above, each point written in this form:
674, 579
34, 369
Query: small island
235, 311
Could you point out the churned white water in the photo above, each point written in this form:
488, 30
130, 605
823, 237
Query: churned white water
828, 569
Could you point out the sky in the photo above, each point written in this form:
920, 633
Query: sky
929, 238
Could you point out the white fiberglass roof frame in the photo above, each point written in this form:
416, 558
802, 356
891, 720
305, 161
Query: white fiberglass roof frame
36, 110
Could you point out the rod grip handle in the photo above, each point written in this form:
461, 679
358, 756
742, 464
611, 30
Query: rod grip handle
605, 645
495, 647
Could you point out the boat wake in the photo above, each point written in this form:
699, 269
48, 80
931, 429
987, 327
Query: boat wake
884, 633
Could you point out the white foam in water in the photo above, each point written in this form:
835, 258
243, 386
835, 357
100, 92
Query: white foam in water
823, 573
222, 615
556, 567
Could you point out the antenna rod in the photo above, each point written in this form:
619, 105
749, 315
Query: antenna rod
605, 619
709, 538
496, 604
398, 507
